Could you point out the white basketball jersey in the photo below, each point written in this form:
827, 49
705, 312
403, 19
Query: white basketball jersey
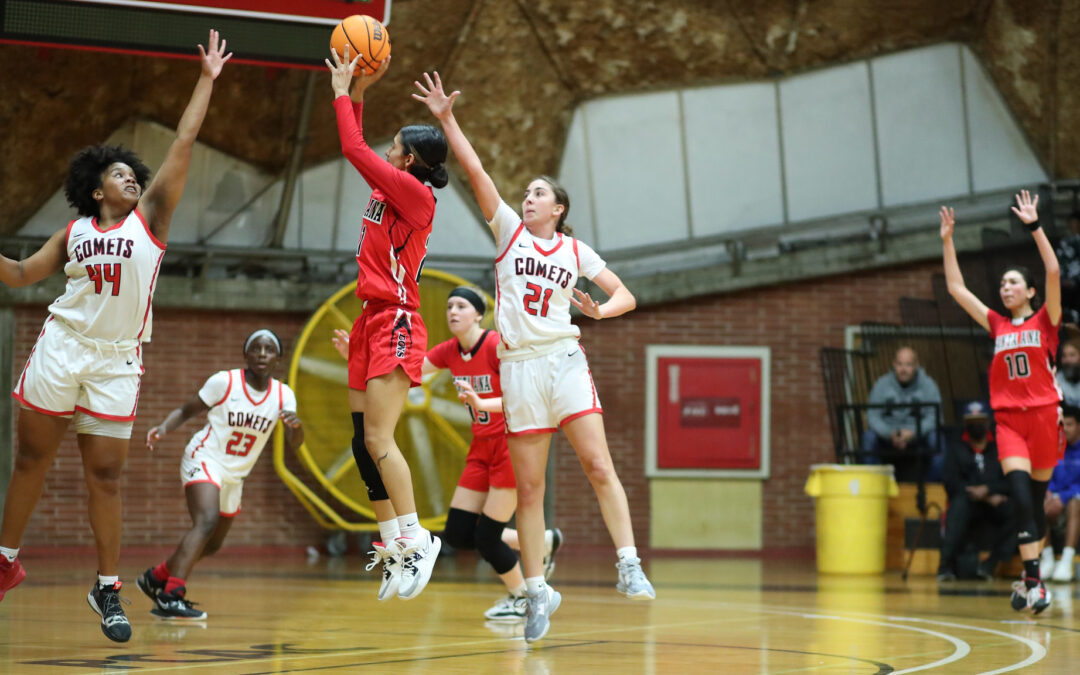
534, 280
239, 421
110, 279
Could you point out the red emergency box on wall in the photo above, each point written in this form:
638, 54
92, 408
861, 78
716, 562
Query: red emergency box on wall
707, 411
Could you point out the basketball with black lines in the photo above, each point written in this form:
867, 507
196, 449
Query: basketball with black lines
364, 36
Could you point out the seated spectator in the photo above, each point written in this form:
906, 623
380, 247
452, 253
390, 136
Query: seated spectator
978, 494
1068, 255
1063, 498
892, 433
1068, 373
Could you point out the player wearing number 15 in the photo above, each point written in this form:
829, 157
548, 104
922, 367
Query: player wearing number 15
242, 409
1023, 391
87, 362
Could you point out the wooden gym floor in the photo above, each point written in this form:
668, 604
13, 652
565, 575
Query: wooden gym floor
280, 614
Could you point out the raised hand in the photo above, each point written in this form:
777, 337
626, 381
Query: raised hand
434, 97
948, 221
1028, 210
341, 71
214, 57
586, 304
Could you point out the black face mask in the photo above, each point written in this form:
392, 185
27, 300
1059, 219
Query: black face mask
1072, 372
976, 431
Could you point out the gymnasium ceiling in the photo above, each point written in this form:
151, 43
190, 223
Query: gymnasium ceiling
523, 65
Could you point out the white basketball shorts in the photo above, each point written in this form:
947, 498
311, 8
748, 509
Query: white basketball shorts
542, 393
202, 468
68, 373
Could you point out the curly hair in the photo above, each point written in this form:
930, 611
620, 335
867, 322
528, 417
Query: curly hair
87, 168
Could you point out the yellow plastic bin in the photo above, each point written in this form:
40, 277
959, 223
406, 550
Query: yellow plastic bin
852, 516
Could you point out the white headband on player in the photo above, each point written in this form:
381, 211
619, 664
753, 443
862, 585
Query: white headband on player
266, 333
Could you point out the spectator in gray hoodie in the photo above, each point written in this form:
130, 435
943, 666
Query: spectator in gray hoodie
892, 433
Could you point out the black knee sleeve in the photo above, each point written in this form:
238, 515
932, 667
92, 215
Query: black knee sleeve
1038, 499
376, 491
491, 547
1020, 491
460, 528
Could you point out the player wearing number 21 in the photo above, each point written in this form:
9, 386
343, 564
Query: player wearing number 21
242, 408
87, 362
546, 381
1023, 392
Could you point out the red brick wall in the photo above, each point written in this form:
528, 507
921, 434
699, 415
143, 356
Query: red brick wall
794, 320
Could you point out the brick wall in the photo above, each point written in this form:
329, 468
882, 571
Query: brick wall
794, 320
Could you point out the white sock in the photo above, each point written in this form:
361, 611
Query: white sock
626, 552
389, 530
1068, 553
409, 524
534, 585
9, 553
549, 540
106, 582
518, 591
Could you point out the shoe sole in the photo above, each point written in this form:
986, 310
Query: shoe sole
93, 605
172, 617
18, 580
643, 595
433, 555
555, 601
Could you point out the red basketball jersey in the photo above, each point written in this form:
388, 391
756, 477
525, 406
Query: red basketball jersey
397, 220
1020, 373
480, 368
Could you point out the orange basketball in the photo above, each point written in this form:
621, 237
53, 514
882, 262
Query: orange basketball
366, 37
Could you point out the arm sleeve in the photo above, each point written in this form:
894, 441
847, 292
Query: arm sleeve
875, 417
403, 191
288, 398
589, 262
215, 389
437, 355
504, 224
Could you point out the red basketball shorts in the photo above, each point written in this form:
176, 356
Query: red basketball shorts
488, 465
1033, 433
383, 338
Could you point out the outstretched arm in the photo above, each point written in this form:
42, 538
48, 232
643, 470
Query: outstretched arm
193, 407
953, 278
163, 194
1026, 210
46, 260
441, 106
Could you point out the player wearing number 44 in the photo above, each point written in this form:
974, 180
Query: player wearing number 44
242, 408
87, 361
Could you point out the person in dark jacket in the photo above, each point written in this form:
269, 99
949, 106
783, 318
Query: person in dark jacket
1063, 498
978, 492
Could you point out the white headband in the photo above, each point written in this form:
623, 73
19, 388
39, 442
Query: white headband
263, 332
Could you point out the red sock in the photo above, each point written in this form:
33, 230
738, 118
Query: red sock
161, 572
172, 584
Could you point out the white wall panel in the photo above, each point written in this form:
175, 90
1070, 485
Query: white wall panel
1000, 155
733, 157
920, 124
574, 176
458, 229
828, 142
637, 170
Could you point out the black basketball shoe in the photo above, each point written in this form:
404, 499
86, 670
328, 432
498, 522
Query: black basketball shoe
106, 601
175, 606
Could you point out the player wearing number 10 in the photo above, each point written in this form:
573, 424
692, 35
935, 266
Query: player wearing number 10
242, 408
87, 362
1023, 392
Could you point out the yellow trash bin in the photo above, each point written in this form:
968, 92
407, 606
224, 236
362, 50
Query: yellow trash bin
852, 514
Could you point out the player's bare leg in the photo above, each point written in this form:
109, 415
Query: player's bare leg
586, 435
213, 545
203, 501
382, 404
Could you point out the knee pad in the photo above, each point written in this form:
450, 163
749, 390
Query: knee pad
1020, 491
376, 491
491, 547
460, 529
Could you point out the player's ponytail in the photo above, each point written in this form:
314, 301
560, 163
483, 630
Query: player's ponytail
427, 145
561, 197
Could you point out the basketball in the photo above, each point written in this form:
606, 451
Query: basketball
364, 36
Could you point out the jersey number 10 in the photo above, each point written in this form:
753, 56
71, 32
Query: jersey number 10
1018, 365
